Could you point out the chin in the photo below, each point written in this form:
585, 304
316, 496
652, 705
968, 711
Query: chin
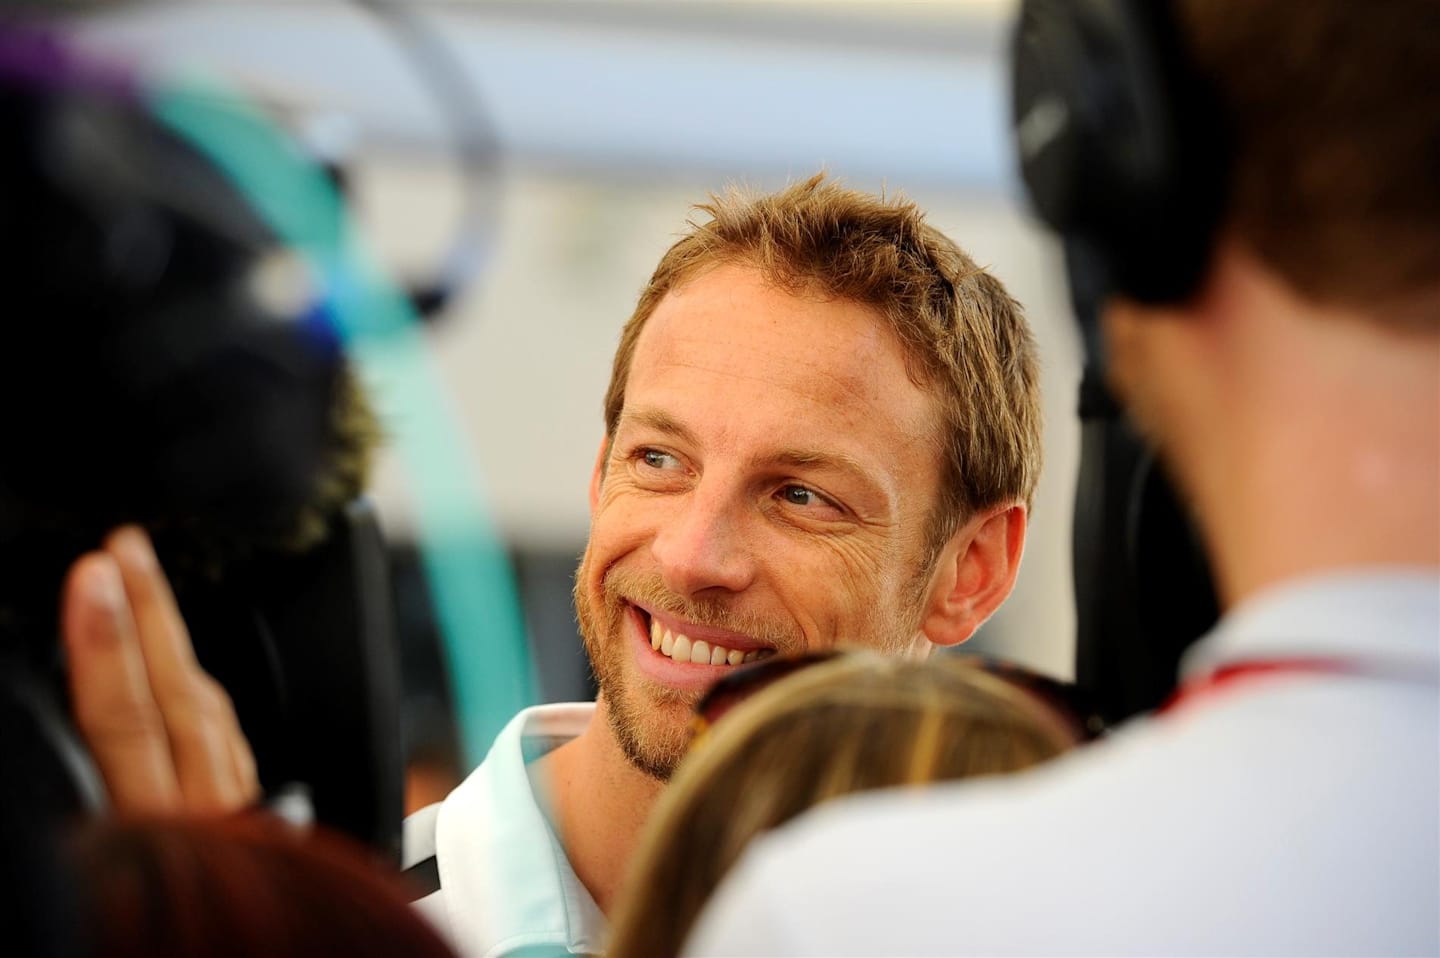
653, 732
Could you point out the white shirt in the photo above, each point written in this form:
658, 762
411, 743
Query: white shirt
1287, 813
506, 887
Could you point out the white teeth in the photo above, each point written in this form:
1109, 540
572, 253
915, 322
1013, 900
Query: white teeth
682, 648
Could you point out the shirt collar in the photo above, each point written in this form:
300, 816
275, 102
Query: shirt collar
1382, 620
506, 882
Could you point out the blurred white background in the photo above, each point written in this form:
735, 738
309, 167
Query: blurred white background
612, 118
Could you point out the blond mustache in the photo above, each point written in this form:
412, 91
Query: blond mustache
646, 590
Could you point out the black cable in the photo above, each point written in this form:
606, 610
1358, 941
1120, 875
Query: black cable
477, 149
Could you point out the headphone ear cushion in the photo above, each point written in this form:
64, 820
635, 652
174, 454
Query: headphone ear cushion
1116, 145
1143, 588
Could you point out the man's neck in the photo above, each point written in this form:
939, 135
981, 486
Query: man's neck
1337, 462
600, 803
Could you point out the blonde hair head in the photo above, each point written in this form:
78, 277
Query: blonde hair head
861, 721
965, 338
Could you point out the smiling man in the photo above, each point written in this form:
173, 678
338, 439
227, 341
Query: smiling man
765, 486
822, 427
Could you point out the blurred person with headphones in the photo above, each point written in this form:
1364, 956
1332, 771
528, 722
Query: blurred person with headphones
1247, 195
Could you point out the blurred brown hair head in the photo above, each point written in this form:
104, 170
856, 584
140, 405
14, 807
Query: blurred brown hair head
1334, 114
857, 722
965, 339
240, 886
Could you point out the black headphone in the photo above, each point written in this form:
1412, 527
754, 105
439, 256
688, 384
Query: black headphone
1121, 145
1122, 149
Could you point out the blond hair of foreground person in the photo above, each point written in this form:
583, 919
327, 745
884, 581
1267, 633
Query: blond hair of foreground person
847, 724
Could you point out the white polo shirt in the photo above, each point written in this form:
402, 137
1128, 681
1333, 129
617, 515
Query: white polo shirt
505, 885
1287, 812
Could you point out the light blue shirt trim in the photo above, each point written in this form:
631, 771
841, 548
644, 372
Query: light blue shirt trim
506, 886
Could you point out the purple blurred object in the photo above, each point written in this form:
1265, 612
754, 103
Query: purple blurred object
34, 57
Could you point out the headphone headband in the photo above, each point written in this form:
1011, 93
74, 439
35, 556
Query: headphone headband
1119, 143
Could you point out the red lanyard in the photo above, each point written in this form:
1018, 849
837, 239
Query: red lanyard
1226, 676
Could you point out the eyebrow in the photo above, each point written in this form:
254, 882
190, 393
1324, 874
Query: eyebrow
659, 421
806, 458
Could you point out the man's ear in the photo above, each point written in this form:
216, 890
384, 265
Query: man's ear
597, 477
974, 574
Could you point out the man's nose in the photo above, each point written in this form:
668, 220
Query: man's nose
704, 546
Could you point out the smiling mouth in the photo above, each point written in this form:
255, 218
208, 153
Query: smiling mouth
681, 648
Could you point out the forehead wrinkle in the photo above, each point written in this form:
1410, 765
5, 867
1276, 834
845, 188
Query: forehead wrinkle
858, 387
859, 382
696, 345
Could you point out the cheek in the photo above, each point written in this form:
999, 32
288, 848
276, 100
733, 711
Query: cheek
617, 528
837, 592
585, 577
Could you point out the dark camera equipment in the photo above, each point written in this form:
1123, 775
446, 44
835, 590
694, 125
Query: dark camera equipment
157, 367
1123, 153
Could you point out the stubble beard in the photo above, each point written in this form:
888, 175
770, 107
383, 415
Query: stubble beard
651, 730
650, 722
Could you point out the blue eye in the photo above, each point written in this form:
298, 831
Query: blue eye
800, 496
656, 459
809, 503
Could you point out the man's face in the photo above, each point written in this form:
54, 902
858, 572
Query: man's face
767, 490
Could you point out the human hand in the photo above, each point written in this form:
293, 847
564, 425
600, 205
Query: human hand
162, 732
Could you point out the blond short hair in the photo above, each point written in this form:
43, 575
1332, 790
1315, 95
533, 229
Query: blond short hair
965, 339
